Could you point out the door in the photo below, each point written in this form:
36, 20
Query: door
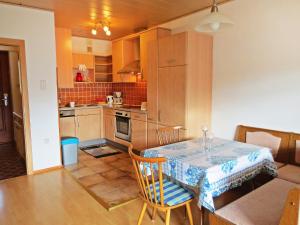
171, 96
88, 127
6, 124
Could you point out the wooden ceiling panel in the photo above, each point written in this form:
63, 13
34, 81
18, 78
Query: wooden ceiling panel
125, 16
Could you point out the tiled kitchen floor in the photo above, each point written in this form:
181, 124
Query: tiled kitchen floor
110, 180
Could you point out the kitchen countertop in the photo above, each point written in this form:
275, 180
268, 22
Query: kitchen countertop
116, 107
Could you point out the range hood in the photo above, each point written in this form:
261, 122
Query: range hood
131, 68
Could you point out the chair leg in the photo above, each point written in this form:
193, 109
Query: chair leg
142, 213
189, 212
168, 215
154, 214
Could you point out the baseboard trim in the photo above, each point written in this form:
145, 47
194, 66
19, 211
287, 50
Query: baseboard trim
47, 169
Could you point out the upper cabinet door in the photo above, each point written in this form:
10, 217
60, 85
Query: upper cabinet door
123, 53
64, 58
172, 50
85, 59
117, 59
145, 39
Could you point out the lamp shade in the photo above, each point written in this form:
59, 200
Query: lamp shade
213, 22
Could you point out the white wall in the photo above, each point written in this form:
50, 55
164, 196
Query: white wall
36, 27
256, 65
100, 47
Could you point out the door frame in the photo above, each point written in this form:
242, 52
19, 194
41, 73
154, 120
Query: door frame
25, 99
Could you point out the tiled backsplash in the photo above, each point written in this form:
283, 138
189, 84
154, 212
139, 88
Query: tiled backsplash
133, 93
85, 93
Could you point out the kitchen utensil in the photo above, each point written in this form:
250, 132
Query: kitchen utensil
109, 99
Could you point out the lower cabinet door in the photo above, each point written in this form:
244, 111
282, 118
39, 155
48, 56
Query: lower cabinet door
67, 126
88, 127
109, 127
152, 139
139, 134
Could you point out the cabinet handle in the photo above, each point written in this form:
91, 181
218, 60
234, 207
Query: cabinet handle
171, 61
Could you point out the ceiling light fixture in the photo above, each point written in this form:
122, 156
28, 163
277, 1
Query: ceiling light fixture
105, 27
214, 22
94, 31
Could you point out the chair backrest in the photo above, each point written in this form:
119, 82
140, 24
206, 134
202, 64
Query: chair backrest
294, 147
168, 135
283, 154
149, 177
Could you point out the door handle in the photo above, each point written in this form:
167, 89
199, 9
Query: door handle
5, 99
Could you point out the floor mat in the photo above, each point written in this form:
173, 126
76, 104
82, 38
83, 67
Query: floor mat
11, 163
110, 180
99, 151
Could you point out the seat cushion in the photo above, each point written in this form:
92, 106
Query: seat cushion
259, 207
173, 193
279, 164
290, 173
264, 139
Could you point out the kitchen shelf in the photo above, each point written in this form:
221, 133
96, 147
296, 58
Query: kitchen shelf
103, 68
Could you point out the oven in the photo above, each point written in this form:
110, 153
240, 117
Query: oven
123, 125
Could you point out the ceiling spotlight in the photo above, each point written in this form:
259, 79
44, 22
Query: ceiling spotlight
108, 32
105, 28
94, 31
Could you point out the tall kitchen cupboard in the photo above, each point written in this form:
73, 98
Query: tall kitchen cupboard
64, 59
180, 83
146, 38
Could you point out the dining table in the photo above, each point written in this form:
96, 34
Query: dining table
213, 169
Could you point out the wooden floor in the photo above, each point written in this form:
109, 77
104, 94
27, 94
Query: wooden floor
55, 198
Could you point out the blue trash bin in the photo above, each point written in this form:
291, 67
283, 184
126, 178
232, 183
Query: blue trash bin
69, 150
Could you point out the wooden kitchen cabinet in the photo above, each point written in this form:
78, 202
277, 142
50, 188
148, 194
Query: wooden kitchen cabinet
88, 124
139, 131
152, 139
86, 59
109, 124
122, 54
139, 134
67, 127
171, 92
109, 127
172, 50
145, 40
88, 127
179, 91
63, 39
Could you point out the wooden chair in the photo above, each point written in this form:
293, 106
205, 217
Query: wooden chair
157, 192
168, 135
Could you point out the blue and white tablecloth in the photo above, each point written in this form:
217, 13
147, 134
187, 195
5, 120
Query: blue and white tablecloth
225, 166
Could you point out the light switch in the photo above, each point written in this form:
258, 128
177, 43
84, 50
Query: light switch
43, 85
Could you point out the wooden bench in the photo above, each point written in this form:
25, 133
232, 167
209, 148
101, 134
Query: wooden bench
275, 203
288, 157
